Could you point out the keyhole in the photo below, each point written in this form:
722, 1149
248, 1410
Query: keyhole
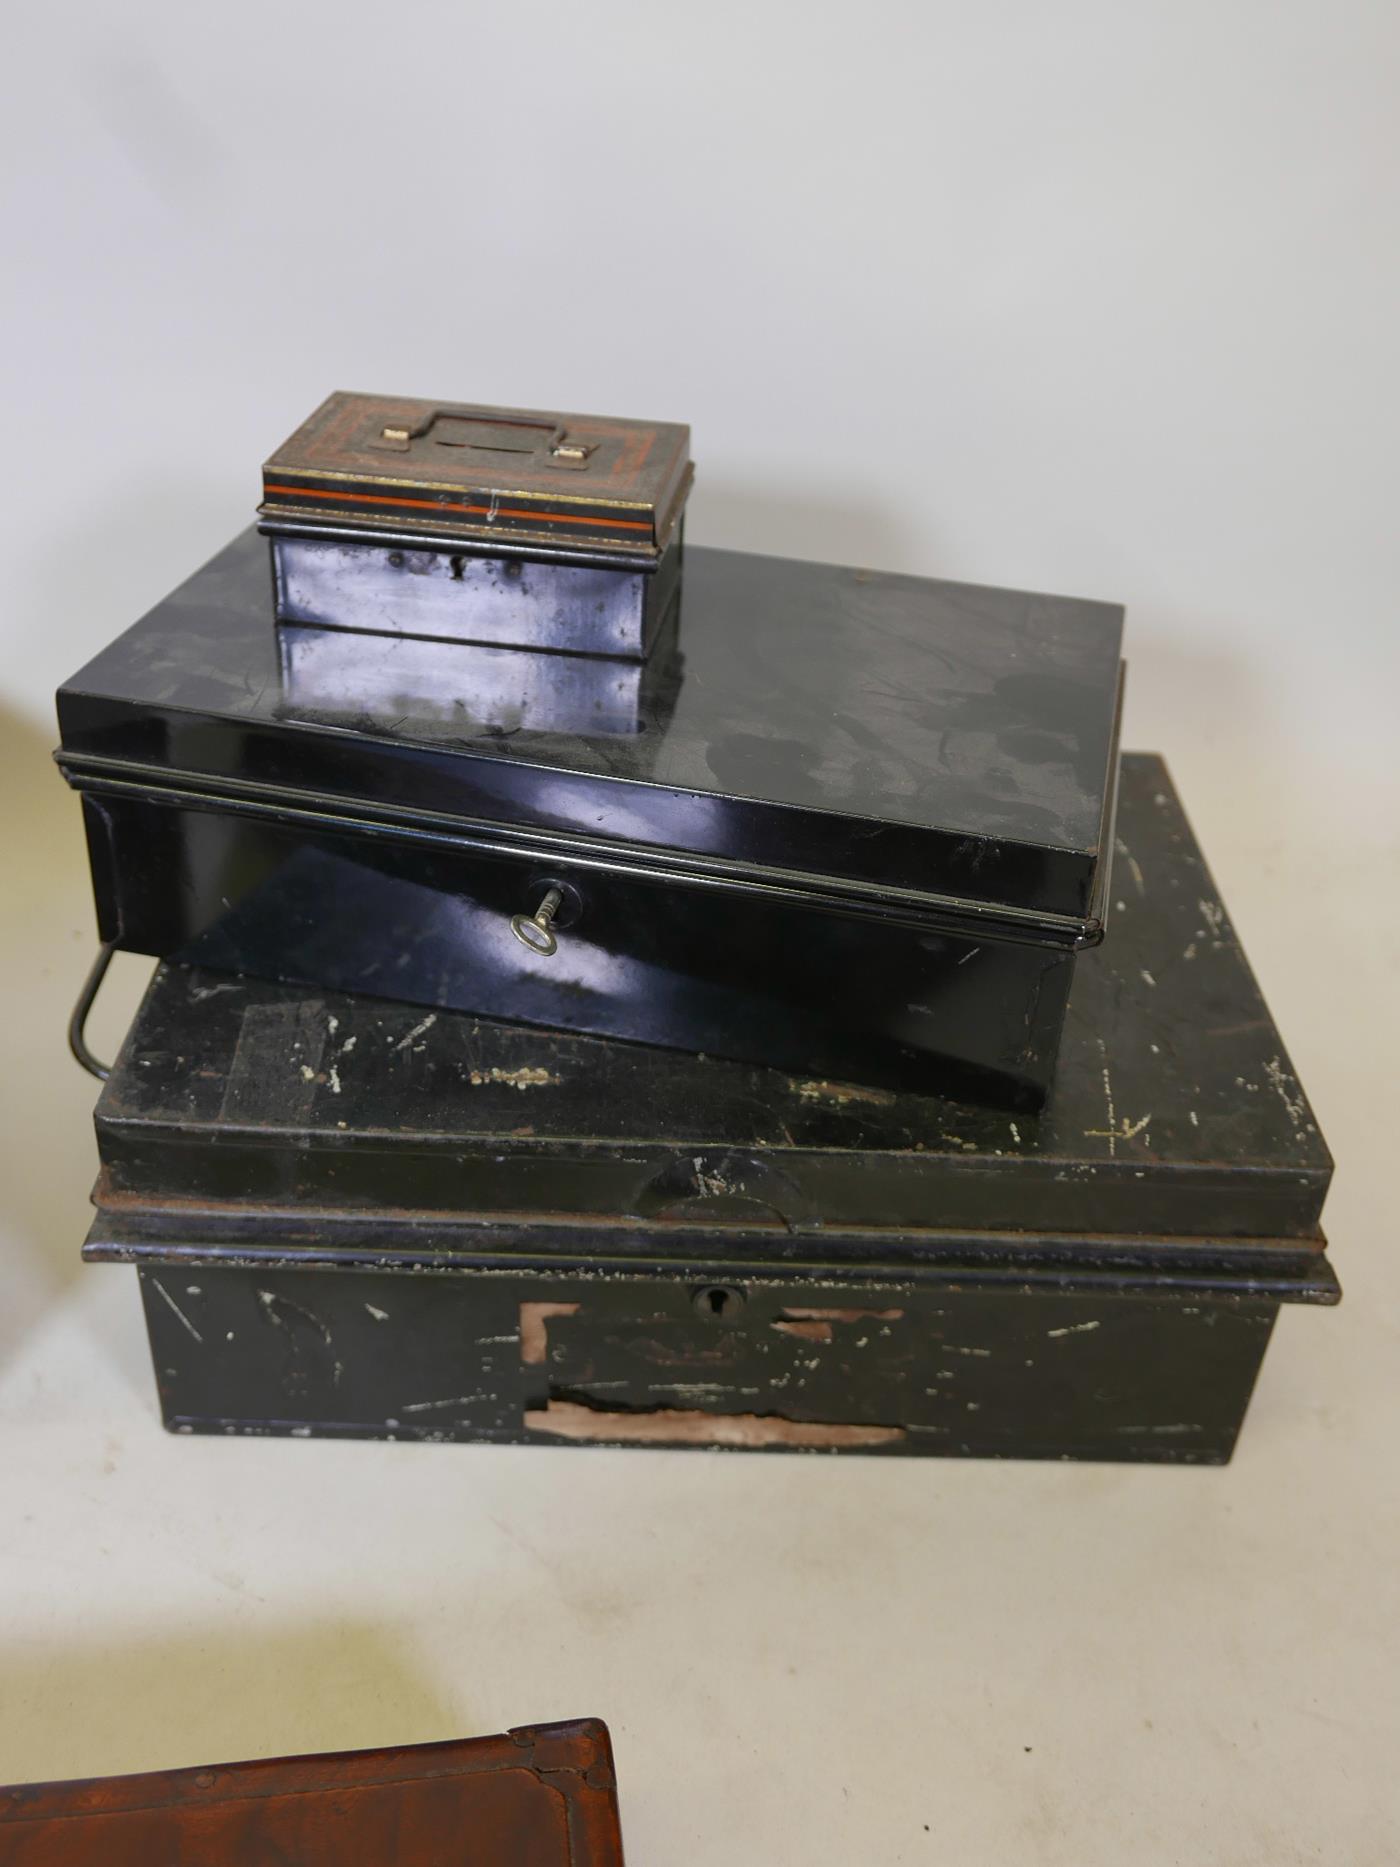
716, 1302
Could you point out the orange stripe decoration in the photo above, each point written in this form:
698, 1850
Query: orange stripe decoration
300, 493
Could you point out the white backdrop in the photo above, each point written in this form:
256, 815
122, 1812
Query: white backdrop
1098, 298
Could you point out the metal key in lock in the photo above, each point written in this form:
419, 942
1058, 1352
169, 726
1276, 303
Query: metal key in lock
534, 930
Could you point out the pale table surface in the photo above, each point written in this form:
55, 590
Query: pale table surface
801, 1659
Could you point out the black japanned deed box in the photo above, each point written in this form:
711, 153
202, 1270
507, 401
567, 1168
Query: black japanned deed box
355, 1218
835, 821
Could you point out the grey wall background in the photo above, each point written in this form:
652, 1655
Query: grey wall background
1097, 298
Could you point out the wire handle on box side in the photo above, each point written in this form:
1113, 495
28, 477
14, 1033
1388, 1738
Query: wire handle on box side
77, 1042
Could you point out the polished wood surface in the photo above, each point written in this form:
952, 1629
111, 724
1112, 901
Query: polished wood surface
542, 1796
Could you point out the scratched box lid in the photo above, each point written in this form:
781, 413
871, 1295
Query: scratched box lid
494, 477
541, 1796
333, 1126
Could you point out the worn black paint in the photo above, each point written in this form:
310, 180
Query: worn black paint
1070, 1285
1024, 1372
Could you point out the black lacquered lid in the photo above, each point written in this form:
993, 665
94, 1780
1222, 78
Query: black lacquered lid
929, 748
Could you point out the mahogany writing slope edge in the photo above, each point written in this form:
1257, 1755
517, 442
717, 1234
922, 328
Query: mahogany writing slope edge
541, 1796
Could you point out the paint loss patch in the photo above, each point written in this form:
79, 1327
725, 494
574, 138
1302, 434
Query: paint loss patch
688, 1426
815, 1325
526, 1077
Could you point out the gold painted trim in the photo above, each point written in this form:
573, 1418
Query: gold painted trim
485, 488
447, 530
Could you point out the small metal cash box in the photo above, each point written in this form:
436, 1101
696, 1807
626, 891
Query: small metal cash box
497, 525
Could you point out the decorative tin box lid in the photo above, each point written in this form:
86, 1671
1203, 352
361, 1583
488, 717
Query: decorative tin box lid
936, 754
513, 479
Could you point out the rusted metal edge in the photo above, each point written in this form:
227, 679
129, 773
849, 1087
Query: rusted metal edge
1289, 1276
